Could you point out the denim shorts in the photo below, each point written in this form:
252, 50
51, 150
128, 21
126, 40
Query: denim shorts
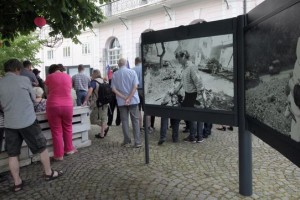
32, 135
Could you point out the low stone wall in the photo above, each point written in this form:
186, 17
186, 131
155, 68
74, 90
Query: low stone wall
81, 126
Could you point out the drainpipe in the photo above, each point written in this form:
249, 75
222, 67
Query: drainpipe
245, 6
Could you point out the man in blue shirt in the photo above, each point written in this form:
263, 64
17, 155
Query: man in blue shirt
124, 85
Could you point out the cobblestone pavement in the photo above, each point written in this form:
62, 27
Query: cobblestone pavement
208, 170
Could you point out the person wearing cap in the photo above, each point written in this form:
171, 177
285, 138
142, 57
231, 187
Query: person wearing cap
40, 80
26, 71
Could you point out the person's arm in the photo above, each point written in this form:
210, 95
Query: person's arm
196, 80
128, 99
35, 81
89, 93
176, 90
119, 94
31, 92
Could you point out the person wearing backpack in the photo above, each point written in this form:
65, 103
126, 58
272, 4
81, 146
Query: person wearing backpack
101, 94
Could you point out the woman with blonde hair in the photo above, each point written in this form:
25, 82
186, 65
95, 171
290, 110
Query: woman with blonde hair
40, 102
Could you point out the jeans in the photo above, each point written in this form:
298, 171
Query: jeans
133, 111
207, 129
164, 128
199, 130
81, 94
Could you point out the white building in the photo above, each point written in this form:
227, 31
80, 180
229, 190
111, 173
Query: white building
120, 34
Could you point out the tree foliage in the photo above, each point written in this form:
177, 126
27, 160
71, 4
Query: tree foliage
68, 17
22, 48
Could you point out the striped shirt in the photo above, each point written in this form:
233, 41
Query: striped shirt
190, 81
80, 81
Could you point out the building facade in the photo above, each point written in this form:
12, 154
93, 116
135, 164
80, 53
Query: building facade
120, 34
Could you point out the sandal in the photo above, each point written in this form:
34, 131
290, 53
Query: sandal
17, 188
57, 159
99, 136
106, 131
52, 177
71, 152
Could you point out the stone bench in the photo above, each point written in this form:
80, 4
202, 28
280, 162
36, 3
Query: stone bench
81, 126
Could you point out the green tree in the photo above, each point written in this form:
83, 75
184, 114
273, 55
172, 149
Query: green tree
67, 17
22, 48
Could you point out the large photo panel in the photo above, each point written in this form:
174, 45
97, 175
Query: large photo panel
272, 76
192, 71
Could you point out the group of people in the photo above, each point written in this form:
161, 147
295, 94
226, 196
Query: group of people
17, 112
23, 92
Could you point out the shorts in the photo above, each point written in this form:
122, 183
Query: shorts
32, 135
99, 115
141, 96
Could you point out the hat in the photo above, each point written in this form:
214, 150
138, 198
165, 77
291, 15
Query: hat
36, 71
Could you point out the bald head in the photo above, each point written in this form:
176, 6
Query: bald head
121, 62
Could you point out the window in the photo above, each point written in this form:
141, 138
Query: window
50, 54
66, 52
86, 49
114, 52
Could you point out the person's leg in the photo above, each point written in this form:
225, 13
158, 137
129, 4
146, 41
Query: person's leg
163, 130
55, 123
37, 143
118, 119
13, 142
47, 167
175, 129
199, 131
124, 113
78, 100
14, 167
187, 127
134, 116
83, 95
1, 138
110, 112
152, 121
193, 129
103, 119
67, 115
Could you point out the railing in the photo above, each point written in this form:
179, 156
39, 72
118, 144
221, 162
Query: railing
117, 7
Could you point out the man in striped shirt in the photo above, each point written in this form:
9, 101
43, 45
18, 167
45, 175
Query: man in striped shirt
192, 85
80, 83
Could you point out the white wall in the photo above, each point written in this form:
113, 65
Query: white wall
181, 14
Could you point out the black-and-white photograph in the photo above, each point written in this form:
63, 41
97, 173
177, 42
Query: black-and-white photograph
273, 72
195, 73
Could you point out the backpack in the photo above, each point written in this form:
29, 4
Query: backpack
105, 94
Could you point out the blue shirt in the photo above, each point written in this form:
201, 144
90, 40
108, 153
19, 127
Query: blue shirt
138, 70
124, 80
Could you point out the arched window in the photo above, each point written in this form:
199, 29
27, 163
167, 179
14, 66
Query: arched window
114, 51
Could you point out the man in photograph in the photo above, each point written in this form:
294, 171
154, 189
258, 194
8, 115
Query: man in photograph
124, 85
80, 83
192, 85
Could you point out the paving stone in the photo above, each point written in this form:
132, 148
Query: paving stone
105, 170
